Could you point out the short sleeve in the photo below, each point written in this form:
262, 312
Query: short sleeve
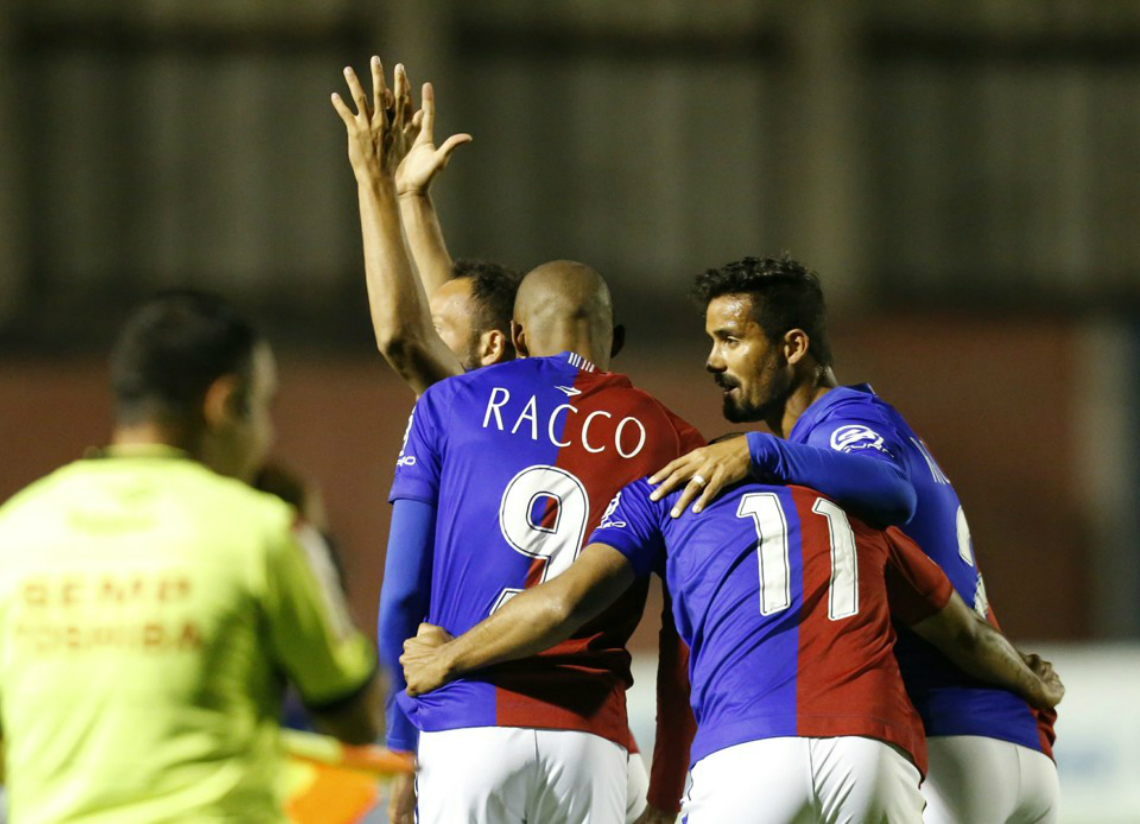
916, 587
310, 632
420, 462
631, 525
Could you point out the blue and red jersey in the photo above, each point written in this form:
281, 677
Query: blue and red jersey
855, 421
783, 600
520, 460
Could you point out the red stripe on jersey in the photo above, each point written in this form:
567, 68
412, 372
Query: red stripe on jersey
848, 682
580, 684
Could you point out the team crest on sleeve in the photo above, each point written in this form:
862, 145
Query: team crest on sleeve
854, 437
405, 459
607, 522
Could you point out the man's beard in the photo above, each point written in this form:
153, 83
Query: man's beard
739, 410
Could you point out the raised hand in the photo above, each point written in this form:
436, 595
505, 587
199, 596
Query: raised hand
424, 159
705, 472
373, 128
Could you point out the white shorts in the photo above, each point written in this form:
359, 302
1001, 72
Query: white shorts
987, 781
507, 775
845, 780
637, 787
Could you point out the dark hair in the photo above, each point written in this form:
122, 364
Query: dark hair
785, 295
172, 348
494, 288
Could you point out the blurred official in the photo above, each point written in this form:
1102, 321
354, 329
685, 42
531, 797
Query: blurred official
153, 605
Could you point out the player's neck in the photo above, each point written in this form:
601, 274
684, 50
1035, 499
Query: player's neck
803, 396
583, 345
153, 433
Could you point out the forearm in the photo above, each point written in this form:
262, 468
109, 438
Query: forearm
401, 319
989, 656
530, 622
526, 625
425, 238
401, 734
979, 650
539, 618
873, 489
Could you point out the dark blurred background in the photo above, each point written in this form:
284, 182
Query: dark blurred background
965, 176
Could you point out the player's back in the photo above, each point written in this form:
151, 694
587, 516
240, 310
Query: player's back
136, 681
855, 419
782, 599
522, 459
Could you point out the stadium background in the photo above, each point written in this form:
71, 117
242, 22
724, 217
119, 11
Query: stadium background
965, 176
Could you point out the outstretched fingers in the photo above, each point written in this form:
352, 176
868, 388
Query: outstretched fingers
342, 109
357, 92
427, 101
379, 88
402, 103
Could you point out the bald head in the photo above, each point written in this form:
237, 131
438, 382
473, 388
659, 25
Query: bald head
565, 306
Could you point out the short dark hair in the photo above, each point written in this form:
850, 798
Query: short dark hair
172, 348
785, 295
493, 287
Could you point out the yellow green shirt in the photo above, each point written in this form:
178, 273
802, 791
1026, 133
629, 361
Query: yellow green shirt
150, 612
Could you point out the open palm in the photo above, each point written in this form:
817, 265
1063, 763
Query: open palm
424, 159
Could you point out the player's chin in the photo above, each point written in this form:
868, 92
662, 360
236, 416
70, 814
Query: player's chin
735, 411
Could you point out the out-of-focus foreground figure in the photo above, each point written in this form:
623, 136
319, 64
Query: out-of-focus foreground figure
150, 605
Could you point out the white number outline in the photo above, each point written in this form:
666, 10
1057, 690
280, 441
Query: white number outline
545, 542
771, 549
843, 591
770, 521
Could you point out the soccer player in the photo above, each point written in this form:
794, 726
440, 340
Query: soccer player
508, 468
470, 316
801, 711
152, 602
990, 753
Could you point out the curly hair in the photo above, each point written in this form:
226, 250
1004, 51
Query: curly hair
785, 295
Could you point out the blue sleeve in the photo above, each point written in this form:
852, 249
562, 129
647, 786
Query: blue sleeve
878, 491
404, 601
419, 465
632, 526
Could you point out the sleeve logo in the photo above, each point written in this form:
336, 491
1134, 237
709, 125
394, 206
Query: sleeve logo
405, 459
607, 522
854, 437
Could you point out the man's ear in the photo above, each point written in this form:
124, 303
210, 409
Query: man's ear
797, 344
492, 347
222, 401
518, 338
618, 342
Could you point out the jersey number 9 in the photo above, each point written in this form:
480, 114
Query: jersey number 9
556, 538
